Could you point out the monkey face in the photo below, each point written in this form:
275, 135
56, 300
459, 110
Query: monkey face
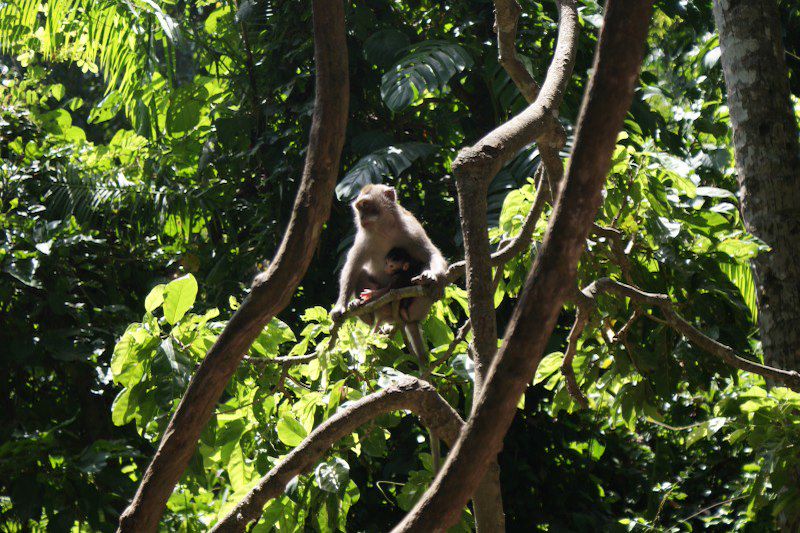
393, 267
373, 203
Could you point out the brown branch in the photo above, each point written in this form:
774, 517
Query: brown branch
271, 291
407, 393
581, 319
458, 339
609, 94
361, 308
283, 361
789, 378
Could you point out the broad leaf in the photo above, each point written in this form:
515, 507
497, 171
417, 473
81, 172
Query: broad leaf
179, 297
425, 69
386, 163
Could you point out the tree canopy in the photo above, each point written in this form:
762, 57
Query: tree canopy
150, 156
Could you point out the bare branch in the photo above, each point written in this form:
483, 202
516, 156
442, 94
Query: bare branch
609, 94
484, 159
581, 319
789, 378
407, 393
271, 291
283, 361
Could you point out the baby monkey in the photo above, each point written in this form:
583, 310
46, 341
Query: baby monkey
401, 269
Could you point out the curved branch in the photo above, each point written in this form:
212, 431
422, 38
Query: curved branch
407, 393
271, 291
483, 160
609, 94
789, 378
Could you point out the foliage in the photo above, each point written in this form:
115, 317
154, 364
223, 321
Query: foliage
149, 155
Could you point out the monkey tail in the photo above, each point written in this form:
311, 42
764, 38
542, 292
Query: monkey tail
412, 335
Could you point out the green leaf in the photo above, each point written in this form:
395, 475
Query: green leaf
715, 192
130, 352
547, 366
742, 276
179, 297
381, 165
427, 68
333, 475
122, 410
106, 109
463, 366
739, 249
271, 337
57, 91
290, 431
184, 110
154, 298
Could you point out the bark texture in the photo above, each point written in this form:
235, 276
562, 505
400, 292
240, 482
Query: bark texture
608, 97
765, 137
271, 291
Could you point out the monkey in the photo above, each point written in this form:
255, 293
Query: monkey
382, 224
403, 269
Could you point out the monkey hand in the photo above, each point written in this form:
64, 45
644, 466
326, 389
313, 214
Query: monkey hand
337, 312
429, 278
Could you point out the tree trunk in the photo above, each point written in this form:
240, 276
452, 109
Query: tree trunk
767, 163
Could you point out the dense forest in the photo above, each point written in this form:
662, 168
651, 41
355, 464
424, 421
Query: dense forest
615, 345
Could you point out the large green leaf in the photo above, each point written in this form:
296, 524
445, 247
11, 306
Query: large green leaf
332, 475
387, 163
179, 297
290, 431
741, 275
426, 68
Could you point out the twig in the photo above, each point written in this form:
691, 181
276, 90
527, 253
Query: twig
283, 361
458, 339
789, 378
706, 509
581, 319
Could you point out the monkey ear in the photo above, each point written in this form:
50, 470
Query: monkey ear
391, 194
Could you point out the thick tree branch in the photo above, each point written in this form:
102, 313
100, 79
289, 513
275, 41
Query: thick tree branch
407, 393
271, 291
608, 97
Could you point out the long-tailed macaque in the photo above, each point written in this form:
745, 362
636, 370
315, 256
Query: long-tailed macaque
382, 225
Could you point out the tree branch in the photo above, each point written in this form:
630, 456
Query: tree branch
407, 393
608, 97
271, 291
789, 378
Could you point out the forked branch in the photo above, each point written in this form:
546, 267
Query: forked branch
639, 298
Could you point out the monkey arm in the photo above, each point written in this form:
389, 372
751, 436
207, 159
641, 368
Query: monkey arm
348, 280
